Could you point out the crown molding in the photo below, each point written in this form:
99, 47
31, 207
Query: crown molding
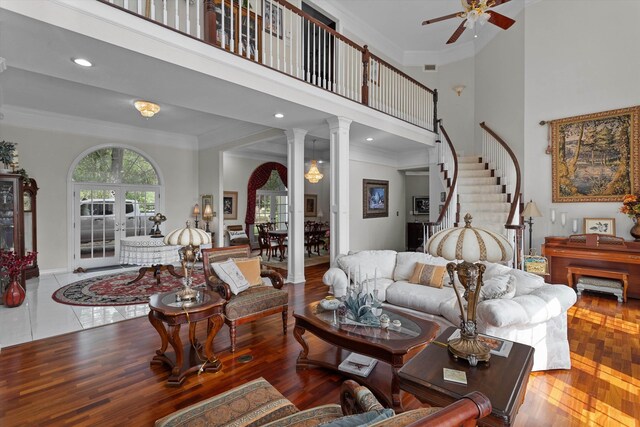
45, 120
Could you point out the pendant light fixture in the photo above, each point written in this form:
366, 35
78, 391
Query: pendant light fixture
314, 175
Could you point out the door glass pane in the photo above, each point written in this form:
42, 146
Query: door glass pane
6, 215
97, 224
139, 207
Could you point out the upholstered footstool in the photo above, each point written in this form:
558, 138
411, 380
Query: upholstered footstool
609, 286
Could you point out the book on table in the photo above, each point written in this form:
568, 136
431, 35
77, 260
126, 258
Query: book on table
498, 346
358, 364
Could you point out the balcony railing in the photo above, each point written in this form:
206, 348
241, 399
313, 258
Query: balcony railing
280, 36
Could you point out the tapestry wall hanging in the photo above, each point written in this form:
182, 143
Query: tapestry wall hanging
595, 156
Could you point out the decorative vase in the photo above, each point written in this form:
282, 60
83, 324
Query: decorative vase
14, 294
635, 230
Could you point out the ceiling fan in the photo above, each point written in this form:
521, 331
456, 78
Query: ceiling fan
476, 11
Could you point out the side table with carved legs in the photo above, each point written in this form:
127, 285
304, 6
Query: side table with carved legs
165, 310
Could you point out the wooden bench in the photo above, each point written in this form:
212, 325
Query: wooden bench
605, 273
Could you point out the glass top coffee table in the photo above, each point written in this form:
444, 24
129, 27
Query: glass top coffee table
393, 346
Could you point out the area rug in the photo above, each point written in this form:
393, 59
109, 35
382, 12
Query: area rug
308, 261
112, 289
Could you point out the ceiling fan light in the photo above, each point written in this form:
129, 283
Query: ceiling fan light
483, 18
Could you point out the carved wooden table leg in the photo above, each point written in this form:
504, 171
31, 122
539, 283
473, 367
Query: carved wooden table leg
301, 363
160, 357
176, 343
214, 323
395, 391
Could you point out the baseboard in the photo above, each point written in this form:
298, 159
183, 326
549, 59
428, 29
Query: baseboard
50, 271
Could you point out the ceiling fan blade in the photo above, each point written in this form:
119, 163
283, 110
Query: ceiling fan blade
500, 20
442, 18
457, 33
499, 2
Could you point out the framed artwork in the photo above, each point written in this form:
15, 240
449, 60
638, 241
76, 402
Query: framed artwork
230, 204
207, 199
421, 205
375, 198
310, 205
272, 19
595, 156
443, 196
600, 226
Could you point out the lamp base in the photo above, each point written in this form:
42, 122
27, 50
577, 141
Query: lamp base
469, 348
187, 294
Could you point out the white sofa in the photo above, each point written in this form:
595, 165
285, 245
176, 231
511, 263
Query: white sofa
532, 312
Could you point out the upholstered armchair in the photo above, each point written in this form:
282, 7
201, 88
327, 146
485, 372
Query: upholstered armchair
251, 304
258, 403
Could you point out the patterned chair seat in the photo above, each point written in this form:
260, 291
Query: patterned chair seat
255, 300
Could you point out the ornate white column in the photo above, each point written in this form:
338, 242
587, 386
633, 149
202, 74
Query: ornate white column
339, 194
295, 190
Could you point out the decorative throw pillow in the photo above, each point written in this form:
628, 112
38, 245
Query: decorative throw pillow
250, 269
230, 274
234, 235
498, 287
429, 275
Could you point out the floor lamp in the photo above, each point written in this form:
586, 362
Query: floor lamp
531, 211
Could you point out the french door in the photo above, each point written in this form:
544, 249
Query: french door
103, 215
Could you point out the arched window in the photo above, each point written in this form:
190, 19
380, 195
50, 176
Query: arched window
115, 165
261, 176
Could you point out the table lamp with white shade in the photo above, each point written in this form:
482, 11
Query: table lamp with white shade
470, 245
190, 239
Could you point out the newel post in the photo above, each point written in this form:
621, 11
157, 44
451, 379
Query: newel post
366, 55
210, 30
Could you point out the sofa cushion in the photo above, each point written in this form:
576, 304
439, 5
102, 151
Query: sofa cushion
495, 287
253, 403
369, 264
406, 263
229, 273
421, 298
428, 275
309, 417
254, 300
359, 420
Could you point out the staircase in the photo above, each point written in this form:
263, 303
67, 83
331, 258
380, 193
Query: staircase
481, 194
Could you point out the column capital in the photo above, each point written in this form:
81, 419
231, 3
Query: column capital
338, 122
295, 134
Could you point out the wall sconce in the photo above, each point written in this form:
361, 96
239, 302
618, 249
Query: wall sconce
458, 89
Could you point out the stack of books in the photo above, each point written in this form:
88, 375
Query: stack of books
358, 364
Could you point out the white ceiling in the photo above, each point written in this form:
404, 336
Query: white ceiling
400, 23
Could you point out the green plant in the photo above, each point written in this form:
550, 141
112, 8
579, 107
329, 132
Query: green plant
6, 152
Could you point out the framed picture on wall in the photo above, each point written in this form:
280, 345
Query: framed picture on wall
600, 226
421, 205
375, 198
230, 204
310, 205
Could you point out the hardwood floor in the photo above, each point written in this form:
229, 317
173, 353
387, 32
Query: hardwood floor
102, 376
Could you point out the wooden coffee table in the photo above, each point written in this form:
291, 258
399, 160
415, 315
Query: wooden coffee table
390, 346
503, 380
165, 309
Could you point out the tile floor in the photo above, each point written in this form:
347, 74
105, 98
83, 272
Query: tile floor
41, 317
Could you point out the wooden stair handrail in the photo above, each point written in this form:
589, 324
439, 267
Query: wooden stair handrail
516, 195
454, 181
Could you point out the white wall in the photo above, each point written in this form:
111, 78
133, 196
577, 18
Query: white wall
321, 189
578, 60
47, 157
376, 233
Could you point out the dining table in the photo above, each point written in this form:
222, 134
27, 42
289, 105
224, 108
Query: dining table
280, 236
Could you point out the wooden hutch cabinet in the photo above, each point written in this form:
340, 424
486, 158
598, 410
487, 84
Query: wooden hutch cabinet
18, 218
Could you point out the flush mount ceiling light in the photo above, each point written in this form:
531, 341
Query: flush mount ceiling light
146, 108
278, 115
314, 175
369, 139
82, 62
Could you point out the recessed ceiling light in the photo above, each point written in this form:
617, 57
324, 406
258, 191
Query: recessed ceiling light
82, 62
278, 115
369, 139
320, 161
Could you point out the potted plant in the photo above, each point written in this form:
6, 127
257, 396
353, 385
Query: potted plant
7, 150
12, 266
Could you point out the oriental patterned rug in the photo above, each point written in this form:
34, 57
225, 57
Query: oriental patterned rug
112, 289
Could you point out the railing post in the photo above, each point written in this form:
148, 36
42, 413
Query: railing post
210, 30
366, 56
435, 110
